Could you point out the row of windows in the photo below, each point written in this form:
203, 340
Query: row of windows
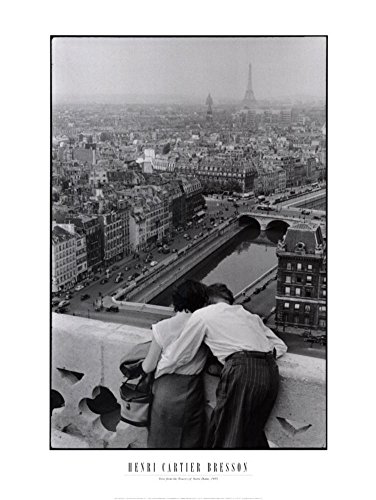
299, 266
64, 277
307, 321
114, 244
210, 176
65, 262
65, 253
307, 307
92, 230
61, 271
68, 244
298, 279
298, 292
113, 225
113, 235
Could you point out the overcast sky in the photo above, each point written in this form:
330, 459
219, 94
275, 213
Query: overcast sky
190, 67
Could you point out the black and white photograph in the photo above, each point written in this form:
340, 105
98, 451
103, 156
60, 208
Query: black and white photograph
187, 250
188, 274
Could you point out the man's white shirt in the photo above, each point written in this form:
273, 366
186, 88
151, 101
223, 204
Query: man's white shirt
225, 329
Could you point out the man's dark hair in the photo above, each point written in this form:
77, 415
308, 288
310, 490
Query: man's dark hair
220, 290
190, 296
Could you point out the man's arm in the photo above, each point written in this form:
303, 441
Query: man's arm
150, 362
184, 348
277, 343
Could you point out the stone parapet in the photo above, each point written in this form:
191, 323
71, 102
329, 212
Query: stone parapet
86, 355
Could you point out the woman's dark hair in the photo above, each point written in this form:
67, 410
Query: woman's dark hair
190, 296
220, 290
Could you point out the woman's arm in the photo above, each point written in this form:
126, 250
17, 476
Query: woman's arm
150, 362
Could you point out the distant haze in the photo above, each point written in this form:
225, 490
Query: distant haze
188, 68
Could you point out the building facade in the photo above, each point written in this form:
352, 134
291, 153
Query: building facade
150, 217
64, 265
112, 237
194, 200
81, 252
177, 203
301, 279
222, 171
91, 229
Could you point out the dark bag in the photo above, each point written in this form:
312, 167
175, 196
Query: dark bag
136, 399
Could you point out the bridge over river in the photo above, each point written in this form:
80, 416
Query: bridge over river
145, 288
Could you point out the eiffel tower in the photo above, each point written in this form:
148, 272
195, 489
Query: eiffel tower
249, 100
209, 103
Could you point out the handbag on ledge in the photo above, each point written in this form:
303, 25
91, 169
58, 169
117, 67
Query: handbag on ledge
136, 399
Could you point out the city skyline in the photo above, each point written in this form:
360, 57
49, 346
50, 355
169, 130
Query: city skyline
147, 196
187, 69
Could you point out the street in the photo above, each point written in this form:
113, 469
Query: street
218, 207
96, 290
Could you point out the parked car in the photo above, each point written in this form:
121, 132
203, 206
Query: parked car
85, 296
306, 212
118, 279
112, 309
64, 303
61, 310
153, 263
322, 339
55, 301
79, 287
266, 208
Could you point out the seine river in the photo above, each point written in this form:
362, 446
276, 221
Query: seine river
238, 263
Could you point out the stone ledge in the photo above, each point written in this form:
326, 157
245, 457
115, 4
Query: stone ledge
66, 440
86, 354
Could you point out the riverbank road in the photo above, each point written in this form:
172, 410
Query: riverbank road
128, 266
